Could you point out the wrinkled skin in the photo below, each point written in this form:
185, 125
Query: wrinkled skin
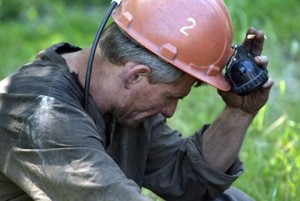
223, 139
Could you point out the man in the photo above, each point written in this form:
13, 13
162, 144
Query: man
52, 148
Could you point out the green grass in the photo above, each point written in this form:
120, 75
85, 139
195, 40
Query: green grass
271, 151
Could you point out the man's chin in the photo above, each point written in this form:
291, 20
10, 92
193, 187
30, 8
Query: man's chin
131, 124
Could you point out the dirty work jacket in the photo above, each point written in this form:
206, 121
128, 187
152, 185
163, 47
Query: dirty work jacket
52, 149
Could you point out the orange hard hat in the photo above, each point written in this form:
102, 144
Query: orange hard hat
193, 35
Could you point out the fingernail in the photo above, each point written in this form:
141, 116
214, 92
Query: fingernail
250, 36
259, 58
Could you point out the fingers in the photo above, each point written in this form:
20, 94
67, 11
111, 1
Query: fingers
247, 43
261, 61
254, 41
268, 84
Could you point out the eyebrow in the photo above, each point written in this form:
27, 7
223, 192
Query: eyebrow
199, 83
182, 97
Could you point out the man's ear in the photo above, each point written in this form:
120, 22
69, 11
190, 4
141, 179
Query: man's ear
134, 73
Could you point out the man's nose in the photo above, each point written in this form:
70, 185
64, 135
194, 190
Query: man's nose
169, 109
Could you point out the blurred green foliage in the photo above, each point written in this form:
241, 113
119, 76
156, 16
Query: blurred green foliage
31, 9
271, 151
30, 26
278, 18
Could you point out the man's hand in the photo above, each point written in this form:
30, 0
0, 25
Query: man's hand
251, 103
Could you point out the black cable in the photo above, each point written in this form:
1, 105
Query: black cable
92, 54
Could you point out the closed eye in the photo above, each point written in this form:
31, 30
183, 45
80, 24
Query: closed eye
199, 83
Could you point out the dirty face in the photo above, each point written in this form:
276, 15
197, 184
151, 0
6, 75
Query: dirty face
147, 100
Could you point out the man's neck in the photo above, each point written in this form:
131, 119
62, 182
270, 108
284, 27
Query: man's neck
102, 87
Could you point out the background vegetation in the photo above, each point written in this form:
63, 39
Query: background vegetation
271, 151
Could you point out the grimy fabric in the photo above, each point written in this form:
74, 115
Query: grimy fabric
52, 149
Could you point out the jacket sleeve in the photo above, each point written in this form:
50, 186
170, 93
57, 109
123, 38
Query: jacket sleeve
59, 156
176, 169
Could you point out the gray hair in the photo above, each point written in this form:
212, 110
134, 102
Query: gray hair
119, 49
